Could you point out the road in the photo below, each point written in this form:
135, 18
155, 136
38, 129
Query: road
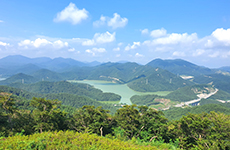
205, 96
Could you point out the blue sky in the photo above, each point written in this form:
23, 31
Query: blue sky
139, 31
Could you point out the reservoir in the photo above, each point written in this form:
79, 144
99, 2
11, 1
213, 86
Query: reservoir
121, 89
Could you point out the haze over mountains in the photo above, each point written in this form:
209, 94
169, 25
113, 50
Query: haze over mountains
157, 75
182, 80
14, 64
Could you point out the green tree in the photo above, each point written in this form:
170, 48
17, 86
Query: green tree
128, 119
7, 104
92, 120
202, 131
47, 115
153, 124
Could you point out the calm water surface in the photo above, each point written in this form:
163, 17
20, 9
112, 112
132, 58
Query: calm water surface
121, 89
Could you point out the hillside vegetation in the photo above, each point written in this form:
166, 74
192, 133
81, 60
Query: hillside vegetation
139, 128
180, 67
70, 101
69, 140
79, 89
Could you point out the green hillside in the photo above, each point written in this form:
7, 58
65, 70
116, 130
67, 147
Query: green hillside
46, 87
47, 75
182, 95
220, 81
124, 72
180, 67
70, 140
158, 80
77, 101
220, 95
146, 100
177, 113
19, 78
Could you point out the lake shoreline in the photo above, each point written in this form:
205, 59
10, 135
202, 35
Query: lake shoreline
121, 89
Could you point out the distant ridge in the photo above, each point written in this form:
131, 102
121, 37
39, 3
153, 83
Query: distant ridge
14, 64
180, 67
19, 78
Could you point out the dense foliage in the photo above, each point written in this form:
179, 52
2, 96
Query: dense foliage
176, 113
141, 125
158, 80
182, 95
23, 99
222, 82
147, 100
181, 67
79, 89
222, 95
70, 140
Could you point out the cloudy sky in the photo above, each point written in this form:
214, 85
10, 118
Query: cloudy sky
113, 30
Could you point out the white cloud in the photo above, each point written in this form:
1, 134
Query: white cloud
100, 22
158, 33
215, 54
104, 37
72, 50
134, 46
72, 14
4, 44
39, 42
120, 44
100, 38
36, 43
88, 43
222, 35
1, 21
198, 52
95, 50
189, 46
89, 51
145, 31
118, 55
59, 44
209, 44
177, 53
115, 22
116, 49
100, 50
139, 55
173, 38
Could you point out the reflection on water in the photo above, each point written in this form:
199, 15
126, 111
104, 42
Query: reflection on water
121, 89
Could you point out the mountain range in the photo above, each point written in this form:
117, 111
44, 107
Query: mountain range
157, 75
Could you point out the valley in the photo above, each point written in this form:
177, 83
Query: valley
125, 101
160, 84
121, 89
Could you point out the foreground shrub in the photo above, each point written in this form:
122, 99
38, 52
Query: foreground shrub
67, 140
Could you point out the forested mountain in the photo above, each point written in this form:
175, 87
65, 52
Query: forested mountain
19, 78
220, 81
176, 113
68, 99
66, 87
14, 64
226, 68
139, 77
180, 67
158, 80
47, 75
